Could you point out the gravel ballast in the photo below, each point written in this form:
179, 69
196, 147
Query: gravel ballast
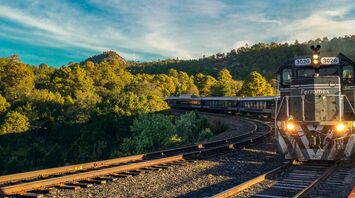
198, 178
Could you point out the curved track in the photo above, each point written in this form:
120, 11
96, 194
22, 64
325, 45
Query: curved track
83, 175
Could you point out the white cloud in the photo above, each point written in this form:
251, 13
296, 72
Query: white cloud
319, 25
184, 29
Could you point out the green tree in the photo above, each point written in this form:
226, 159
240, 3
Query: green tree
3, 104
108, 78
205, 83
150, 132
189, 126
68, 80
14, 122
42, 76
256, 85
185, 84
17, 79
165, 84
226, 86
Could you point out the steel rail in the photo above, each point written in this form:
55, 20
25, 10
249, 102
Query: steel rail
241, 187
22, 187
103, 163
92, 171
70, 168
99, 164
315, 183
256, 180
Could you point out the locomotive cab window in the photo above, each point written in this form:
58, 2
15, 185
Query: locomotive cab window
348, 75
323, 71
305, 72
286, 76
328, 71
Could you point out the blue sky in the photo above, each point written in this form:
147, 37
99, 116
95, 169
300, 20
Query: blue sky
58, 32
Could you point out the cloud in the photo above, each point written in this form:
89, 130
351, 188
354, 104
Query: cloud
142, 30
65, 28
322, 24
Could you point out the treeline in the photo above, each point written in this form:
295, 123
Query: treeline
261, 57
90, 111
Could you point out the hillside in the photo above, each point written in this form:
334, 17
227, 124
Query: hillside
264, 58
108, 56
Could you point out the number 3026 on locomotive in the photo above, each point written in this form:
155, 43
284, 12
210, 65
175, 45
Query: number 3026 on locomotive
315, 117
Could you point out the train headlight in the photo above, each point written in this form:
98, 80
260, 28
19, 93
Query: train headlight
290, 126
340, 127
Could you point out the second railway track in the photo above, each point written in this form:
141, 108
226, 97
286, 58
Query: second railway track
34, 183
308, 179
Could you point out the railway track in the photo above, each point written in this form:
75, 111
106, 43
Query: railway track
35, 183
309, 179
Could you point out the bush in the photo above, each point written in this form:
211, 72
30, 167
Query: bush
3, 104
190, 125
150, 132
14, 122
205, 134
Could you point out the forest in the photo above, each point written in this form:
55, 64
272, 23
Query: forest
97, 110
106, 107
262, 57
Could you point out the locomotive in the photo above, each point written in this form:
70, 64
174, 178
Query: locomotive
315, 117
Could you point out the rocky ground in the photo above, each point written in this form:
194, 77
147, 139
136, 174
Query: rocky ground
195, 179
198, 178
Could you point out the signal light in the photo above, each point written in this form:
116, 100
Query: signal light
315, 56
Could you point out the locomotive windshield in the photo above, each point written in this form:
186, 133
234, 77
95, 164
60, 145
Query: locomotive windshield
323, 71
347, 73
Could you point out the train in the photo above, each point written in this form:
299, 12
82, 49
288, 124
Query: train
314, 114
263, 105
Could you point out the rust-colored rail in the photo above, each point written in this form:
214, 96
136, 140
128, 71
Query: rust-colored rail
65, 169
22, 187
118, 165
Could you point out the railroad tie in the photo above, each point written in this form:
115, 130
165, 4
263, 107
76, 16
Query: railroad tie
32, 195
68, 186
107, 178
82, 184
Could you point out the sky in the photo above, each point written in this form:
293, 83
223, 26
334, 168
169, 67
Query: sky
58, 32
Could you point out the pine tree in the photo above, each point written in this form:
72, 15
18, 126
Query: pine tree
256, 85
14, 122
3, 104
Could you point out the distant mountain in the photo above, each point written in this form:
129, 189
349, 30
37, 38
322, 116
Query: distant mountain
108, 56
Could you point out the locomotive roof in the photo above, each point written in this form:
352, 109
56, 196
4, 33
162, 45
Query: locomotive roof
291, 62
